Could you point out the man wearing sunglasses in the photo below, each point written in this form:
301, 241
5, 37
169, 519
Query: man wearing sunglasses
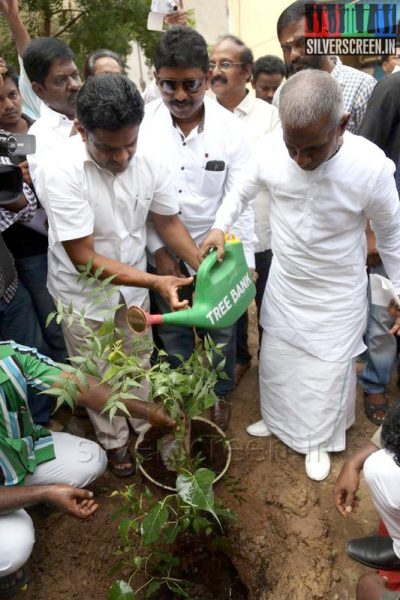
205, 146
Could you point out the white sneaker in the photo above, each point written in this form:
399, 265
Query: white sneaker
318, 464
258, 429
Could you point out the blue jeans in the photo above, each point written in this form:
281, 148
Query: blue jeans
181, 340
18, 322
382, 347
32, 272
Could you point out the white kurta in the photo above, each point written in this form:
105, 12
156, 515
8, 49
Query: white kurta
316, 299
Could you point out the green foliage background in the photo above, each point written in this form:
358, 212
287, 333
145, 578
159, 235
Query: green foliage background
85, 25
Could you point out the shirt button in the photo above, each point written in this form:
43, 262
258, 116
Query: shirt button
180, 191
182, 168
184, 144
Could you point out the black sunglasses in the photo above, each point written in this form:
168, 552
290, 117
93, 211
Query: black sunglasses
191, 86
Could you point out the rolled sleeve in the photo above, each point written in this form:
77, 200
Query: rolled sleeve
70, 216
164, 201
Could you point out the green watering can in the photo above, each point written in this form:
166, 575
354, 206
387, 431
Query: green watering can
222, 294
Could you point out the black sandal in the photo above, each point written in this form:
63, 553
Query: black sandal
371, 408
13, 583
120, 456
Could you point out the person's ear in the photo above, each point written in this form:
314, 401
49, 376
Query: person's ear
155, 77
253, 84
82, 132
39, 90
247, 72
343, 123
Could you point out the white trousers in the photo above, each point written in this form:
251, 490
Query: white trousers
113, 434
78, 462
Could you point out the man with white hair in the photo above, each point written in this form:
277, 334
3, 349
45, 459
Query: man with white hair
324, 185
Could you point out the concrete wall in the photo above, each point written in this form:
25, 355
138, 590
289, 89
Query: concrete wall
255, 22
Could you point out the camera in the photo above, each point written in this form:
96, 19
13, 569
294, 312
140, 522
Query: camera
10, 184
164, 7
16, 144
11, 176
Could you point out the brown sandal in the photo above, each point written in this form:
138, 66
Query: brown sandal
116, 458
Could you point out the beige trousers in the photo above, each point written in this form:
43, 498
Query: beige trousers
114, 434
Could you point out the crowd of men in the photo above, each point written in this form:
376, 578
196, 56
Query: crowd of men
303, 172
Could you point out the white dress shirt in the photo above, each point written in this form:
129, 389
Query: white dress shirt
316, 292
200, 190
51, 130
259, 118
81, 199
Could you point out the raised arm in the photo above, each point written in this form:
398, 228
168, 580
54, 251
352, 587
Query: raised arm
10, 11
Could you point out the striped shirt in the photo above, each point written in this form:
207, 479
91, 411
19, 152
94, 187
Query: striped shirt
23, 444
357, 87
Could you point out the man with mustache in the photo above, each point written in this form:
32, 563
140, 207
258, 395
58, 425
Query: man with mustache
205, 146
50, 66
231, 64
356, 85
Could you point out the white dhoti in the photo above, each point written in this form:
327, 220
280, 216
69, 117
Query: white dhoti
305, 401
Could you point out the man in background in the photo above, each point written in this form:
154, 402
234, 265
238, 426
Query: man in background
231, 64
268, 73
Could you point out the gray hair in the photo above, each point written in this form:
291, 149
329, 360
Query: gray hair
309, 96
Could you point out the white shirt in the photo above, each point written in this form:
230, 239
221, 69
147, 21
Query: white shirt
382, 476
259, 118
51, 131
316, 292
200, 190
81, 199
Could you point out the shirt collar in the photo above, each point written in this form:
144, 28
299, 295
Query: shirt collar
247, 104
54, 118
81, 147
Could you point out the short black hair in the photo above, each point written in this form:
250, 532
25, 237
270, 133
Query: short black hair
390, 436
269, 64
90, 62
110, 101
247, 54
41, 53
181, 47
292, 14
12, 74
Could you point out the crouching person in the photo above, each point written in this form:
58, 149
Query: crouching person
37, 465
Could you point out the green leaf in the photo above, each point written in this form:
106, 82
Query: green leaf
152, 588
123, 529
120, 590
50, 317
196, 489
153, 522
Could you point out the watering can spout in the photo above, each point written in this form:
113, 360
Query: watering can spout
222, 294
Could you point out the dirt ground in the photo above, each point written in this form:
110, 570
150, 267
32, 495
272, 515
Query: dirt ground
289, 542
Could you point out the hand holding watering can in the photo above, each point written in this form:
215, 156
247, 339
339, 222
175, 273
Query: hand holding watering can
223, 292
